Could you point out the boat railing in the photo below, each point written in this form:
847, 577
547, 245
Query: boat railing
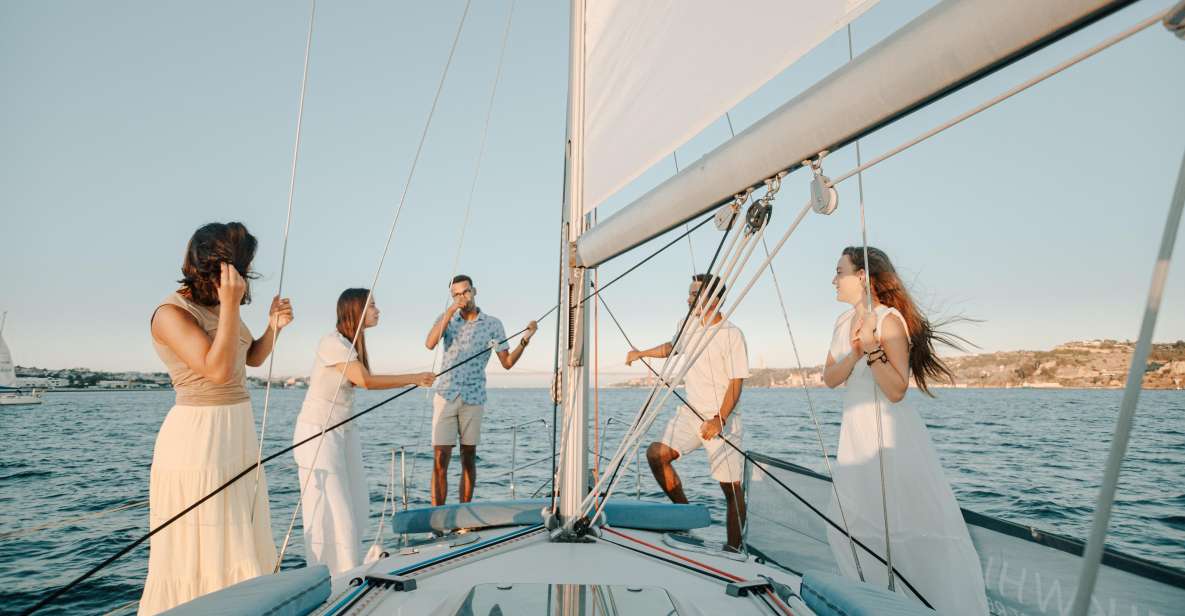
1026, 570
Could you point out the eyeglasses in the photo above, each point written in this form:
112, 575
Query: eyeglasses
463, 293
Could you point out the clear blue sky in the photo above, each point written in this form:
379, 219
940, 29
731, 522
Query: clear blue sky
124, 127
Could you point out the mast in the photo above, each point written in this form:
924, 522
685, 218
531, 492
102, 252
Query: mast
573, 317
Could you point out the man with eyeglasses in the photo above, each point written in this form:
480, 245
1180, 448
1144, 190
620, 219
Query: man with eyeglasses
461, 392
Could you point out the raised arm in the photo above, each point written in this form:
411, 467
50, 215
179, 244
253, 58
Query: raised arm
509, 358
179, 331
835, 373
658, 352
359, 375
279, 316
441, 324
892, 375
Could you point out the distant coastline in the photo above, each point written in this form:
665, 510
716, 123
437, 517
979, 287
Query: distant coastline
1088, 364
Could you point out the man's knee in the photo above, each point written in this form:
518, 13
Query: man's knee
658, 453
733, 492
442, 454
468, 454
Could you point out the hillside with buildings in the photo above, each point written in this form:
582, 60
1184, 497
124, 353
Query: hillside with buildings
1100, 364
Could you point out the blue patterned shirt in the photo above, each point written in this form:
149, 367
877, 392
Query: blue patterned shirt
462, 340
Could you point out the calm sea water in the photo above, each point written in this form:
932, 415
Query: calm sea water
1031, 456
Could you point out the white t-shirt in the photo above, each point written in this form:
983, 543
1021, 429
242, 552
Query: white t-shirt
333, 349
725, 358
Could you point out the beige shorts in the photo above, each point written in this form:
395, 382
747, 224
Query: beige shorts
682, 435
453, 418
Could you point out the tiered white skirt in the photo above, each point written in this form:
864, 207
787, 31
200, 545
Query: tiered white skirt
219, 543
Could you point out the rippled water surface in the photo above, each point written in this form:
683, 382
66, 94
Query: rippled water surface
1031, 456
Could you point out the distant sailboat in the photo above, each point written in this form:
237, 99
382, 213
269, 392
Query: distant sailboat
10, 393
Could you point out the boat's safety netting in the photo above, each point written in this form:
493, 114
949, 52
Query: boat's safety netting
1027, 572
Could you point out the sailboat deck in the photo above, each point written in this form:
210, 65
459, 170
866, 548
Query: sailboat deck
534, 559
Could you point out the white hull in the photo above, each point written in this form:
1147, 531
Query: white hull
20, 399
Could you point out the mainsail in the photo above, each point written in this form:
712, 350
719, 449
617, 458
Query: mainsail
659, 72
7, 371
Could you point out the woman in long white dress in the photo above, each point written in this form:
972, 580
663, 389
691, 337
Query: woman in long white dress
335, 505
875, 355
209, 434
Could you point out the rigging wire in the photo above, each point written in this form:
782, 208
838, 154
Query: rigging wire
811, 410
763, 467
378, 272
271, 357
1106, 43
438, 357
701, 297
871, 313
739, 250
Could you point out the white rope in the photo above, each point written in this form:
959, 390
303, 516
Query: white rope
692, 349
22, 532
711, 332
1005, 96
723, 269
388, 497
271, 358
378, 272
438, 357
810, 405
670, 361
871, 314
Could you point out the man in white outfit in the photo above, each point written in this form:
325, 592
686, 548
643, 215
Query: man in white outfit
713, 384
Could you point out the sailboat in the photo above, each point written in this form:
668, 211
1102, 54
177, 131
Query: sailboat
584, 551
10, 393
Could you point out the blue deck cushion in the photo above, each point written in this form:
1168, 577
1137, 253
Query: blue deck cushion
643, 515
290, 593
828, 594
640, 515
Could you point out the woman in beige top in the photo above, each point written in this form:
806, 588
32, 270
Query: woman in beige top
209, 434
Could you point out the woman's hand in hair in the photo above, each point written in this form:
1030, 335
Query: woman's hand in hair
231, 286
280, 314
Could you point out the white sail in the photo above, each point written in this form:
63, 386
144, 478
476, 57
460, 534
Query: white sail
658, 72
7, 371
945, 48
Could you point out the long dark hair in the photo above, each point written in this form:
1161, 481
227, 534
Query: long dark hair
888, 289
350, 305
211, 246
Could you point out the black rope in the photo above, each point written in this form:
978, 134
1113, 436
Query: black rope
655, 254
750, 459
682, 324
128, 548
